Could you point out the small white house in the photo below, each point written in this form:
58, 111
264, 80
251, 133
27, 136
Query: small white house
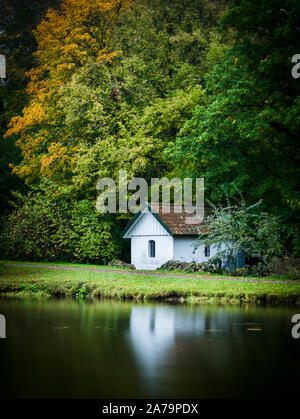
157, 237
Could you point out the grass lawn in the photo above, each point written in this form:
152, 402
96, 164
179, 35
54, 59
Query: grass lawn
74, 265
192, 288
174, 272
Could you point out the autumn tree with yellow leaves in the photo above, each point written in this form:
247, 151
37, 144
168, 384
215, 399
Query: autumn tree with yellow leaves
67, 38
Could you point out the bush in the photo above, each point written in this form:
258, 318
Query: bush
287, 265
96, 238
41, 228
259, 269
243, 228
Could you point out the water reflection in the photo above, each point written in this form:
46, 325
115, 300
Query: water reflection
65, 348
152, 332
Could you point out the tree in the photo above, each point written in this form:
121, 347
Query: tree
66, 39
112, 83
241, 228
165, 43
94, 108
247, 137
18, 18
44, 228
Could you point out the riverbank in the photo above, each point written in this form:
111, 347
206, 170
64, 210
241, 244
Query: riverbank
66, 280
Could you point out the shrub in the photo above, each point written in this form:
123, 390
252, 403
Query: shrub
287, 265
241, 228
42, 228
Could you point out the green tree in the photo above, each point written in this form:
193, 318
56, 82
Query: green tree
111, 85
247, 137
240, 228
44, 228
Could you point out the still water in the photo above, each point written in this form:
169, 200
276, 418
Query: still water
107, 349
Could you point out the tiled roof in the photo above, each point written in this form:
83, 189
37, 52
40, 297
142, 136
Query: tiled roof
177, 222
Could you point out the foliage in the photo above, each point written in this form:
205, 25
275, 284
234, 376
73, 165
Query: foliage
240, 228
165, 43
247, 137
66, 39
112, 83
286, 265
96, 237
104, 129
42, 228
154, 87
17, 44
100, 64
8, 180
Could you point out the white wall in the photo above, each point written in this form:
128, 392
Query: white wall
183, 250
166, 248
139, 251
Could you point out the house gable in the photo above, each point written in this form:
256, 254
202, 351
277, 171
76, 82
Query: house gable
174, 222
146, 223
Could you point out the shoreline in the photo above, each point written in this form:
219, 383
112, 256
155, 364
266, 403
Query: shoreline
65, 281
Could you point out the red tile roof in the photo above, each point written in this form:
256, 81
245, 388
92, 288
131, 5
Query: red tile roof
177, 222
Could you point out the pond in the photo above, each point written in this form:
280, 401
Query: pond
109, 349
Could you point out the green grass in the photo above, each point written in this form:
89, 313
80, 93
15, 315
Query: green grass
80, 265
49, 282
175, 272
209, 275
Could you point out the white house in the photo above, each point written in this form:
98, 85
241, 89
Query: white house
157, 237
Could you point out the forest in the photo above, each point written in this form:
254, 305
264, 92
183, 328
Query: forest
174, 88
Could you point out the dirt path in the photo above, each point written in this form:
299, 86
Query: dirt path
209, 278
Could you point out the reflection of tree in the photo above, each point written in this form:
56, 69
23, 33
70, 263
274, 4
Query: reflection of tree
75, 350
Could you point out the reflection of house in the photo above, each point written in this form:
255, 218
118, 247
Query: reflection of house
157, 237
155, 330
152, 333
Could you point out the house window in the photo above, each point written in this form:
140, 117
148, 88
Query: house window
151, 248
207, 251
